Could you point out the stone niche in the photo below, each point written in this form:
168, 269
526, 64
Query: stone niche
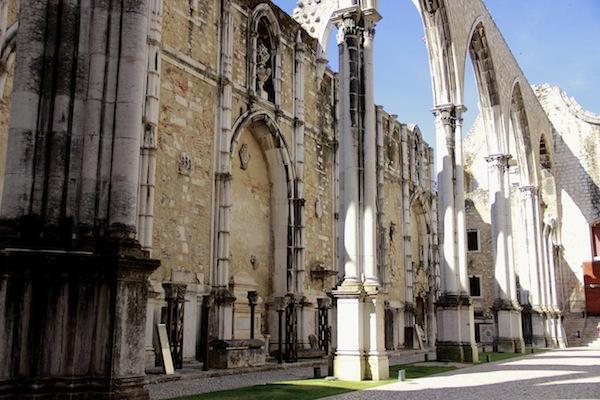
236, 353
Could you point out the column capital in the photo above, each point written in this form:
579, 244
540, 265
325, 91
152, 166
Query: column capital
498, 162
528, 192
445, 117
446, 113
347, 24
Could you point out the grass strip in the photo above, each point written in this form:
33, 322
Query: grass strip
310, 389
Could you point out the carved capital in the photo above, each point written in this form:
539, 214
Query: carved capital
174, 291
528, 192
445, 114
498, 162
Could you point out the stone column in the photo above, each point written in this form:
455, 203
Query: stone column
456, 336
551, 299
557, 331
509, 336
299, 205
461, 228
78, 322
222, 327
150, 131
360, 314
531, 217
377, 357
349, 362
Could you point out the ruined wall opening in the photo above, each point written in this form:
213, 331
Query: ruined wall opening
261, 262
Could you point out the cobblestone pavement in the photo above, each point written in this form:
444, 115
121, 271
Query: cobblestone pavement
573, 373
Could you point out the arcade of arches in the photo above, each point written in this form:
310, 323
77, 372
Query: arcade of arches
220, 179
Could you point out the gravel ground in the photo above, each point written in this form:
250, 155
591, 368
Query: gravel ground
189, 386
573, 373
168, 390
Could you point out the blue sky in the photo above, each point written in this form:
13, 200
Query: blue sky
554, 41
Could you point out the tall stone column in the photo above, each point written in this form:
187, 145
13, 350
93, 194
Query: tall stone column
360, 311
223, 299
456, 336
350, 357
551, 310
377, 357
509, 336
530, 216
73, 278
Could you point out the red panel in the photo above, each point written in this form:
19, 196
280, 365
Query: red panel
591, 280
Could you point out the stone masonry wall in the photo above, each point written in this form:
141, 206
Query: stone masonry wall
576, 150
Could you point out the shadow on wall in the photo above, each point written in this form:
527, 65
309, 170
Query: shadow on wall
573, 178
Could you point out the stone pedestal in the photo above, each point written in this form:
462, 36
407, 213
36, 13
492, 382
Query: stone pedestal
377, 359
538, 339
550, 329
509, 338
73, 322
455, 341
350, 358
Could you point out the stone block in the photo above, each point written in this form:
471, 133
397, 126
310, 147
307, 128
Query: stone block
236, 353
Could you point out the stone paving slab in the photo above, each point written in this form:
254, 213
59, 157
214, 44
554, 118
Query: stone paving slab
572, 373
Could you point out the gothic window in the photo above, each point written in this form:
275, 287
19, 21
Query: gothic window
265, 65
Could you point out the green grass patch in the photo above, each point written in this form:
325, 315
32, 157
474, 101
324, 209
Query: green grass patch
310, 389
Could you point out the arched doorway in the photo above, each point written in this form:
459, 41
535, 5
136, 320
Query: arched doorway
262, 225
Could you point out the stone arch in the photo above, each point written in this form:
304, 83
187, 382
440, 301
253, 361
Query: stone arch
315, 16
264, 30
489, 96
267, 134
422, 268
441, 49
519, 127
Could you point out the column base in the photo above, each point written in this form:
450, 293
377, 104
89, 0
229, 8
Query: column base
538, 342
456, 336
456, 352
509, 345
510, 331
77, 321
77, 389
379, 367
350, 367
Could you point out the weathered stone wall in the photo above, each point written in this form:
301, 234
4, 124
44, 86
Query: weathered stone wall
480, 263
577, 174
406, 221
